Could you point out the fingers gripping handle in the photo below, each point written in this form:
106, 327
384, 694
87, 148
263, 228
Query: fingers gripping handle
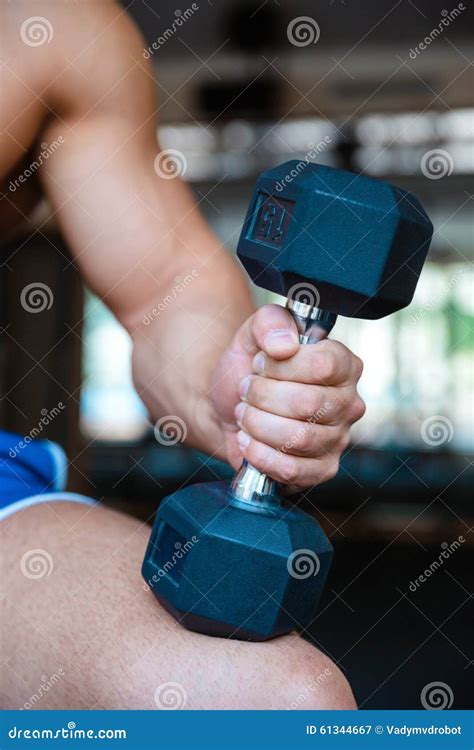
250, 485
312, 323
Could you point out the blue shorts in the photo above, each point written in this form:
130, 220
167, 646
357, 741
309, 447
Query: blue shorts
32, 472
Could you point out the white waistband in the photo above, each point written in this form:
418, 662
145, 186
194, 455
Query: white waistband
27, 502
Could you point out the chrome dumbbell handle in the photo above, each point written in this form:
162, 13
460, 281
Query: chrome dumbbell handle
249, 485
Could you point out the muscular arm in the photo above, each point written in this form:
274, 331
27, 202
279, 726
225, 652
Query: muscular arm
134, 234
144, 248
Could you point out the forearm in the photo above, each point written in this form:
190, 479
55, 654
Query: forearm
182, 333
147, 252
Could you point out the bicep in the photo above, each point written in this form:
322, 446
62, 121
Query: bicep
106, 196
99, 183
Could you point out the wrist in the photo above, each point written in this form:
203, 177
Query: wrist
207, 433
165, 387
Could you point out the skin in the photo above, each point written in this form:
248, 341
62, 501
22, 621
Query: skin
237, 377
92, 619
132, 232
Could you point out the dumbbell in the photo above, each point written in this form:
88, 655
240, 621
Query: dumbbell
239, 560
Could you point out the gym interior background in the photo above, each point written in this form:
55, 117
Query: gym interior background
380, 87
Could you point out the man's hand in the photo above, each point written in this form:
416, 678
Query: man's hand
286, 408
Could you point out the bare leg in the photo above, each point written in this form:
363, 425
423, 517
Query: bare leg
102, 641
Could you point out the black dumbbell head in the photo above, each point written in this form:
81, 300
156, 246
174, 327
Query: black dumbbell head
226, 569
349, 244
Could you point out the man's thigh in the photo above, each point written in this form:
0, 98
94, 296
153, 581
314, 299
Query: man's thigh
80, 630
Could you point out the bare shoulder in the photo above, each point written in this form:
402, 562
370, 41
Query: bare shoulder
61, 28
80, 54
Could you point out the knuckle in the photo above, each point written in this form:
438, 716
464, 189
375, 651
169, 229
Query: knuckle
343, 402
324, 439
302, 439
337, 354
343, 442
326, 364
330, 437
307, 405
331, 467
358, 408
358, 366
329, 345
288, 470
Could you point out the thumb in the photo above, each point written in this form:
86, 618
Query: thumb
271, 330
